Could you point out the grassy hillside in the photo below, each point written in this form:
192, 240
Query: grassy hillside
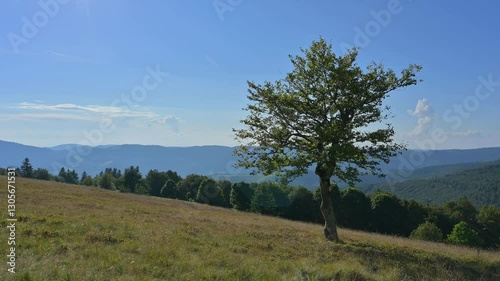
481, 185
75, 233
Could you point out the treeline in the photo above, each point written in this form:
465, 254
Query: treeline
456, 222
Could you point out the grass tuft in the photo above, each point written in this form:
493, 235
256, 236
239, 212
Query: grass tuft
100, 237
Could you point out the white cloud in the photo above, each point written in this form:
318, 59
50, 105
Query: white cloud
422, 108
426, 117
109, 111
40, 116
89, 112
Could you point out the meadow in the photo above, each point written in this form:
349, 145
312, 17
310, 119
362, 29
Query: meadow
69, 232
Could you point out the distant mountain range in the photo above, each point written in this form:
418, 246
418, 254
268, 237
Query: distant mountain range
218, 161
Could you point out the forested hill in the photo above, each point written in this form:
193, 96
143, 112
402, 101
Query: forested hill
481, 185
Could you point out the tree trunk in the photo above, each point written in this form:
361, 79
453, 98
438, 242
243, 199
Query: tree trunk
327, 209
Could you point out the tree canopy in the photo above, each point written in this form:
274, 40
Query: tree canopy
318, 116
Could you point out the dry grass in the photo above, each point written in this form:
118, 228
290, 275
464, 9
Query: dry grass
429, 247
77, 233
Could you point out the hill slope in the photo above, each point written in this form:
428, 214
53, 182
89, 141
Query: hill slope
481, 185
76, 233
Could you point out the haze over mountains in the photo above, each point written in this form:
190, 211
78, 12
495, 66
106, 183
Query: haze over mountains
218, 161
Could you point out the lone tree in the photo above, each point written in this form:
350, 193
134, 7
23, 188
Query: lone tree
321, 115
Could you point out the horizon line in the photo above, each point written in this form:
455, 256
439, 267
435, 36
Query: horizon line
205, 145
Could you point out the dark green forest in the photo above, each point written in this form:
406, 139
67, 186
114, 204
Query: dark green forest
480, 185
455, 221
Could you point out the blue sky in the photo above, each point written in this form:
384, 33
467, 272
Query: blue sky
174, 73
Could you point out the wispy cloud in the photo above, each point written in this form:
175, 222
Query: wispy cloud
426, 116
171, 122
107, 110
91, 112
57, 54
468, 133
41, 116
